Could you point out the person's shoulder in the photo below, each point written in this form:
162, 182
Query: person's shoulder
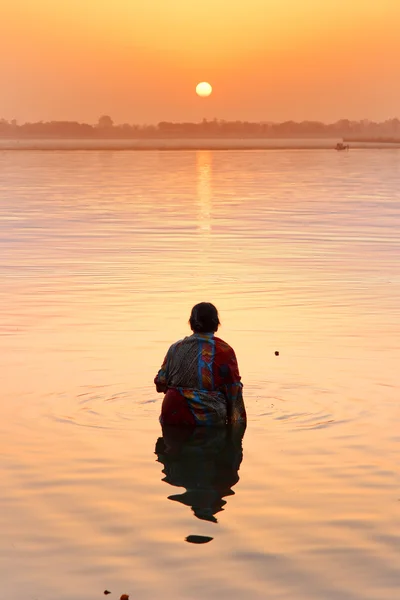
176, 345
223, 346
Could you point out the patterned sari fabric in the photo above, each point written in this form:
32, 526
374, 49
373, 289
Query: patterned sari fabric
201, 381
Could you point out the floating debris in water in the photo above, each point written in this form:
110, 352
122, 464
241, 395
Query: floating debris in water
276, 353
106, 592
124, 597
198, 539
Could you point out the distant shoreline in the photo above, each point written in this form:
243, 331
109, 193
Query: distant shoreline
138, 144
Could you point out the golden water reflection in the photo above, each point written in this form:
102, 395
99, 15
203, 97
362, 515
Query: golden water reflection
204, 189
102, 257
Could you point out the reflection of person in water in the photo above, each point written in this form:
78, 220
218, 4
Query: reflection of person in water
203, 460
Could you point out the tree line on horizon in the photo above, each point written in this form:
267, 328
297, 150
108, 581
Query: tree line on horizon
106, 128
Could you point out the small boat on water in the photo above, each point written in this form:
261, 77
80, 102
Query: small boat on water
340, 146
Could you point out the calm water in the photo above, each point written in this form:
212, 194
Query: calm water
102, 256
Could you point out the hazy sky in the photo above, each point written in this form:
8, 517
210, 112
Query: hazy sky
140, 60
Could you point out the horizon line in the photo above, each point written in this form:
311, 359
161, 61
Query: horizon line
215, 120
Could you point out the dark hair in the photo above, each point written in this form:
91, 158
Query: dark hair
204, 318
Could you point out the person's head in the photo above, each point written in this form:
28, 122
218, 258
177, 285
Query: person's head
204, 318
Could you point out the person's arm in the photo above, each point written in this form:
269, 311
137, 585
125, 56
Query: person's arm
235, 404
232, 388
161, 379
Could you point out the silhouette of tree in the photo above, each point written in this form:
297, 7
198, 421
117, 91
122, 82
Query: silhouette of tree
105, 122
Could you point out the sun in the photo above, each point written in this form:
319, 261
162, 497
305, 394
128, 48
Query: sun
203, 89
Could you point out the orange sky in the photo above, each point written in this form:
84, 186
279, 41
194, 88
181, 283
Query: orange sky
139, 60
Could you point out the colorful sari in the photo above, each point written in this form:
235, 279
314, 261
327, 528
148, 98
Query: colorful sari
201, 381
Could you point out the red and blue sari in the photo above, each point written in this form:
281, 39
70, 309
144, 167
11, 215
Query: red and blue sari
201, 381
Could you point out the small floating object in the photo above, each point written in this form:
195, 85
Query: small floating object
276, 353
106, 592
124, 597
197, 539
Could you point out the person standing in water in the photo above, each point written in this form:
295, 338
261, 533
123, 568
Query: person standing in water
200, 376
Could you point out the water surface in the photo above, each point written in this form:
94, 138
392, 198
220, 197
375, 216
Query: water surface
102, 256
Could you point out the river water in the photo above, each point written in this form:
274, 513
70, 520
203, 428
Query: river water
103, 255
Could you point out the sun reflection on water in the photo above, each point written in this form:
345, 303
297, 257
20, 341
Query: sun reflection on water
204, 190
